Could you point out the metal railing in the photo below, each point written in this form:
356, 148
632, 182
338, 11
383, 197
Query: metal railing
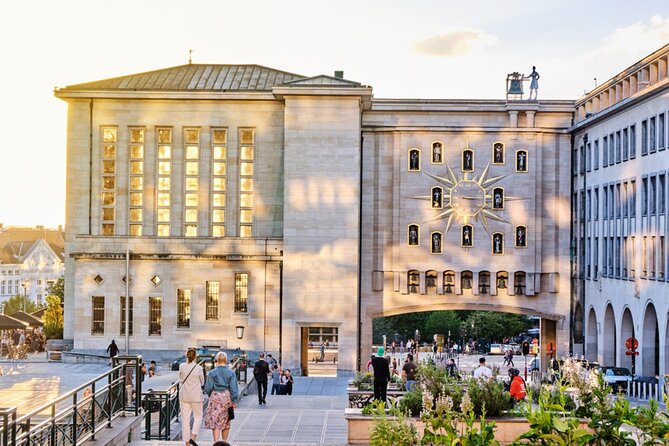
645, 388
161, 407
77, 415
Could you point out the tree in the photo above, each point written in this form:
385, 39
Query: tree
53, 318
441, 322
15, 303
57, 288
492, 326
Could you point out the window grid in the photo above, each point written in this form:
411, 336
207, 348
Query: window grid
130, 316
136, 180
644, 137
183, 308
164, 185
213, 299
219, 160
247, 138
98, 315
108, 186
633, 141
241, 292
155, 315
191, 186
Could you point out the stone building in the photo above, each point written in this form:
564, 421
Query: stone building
619, 169
30, 260
302, 208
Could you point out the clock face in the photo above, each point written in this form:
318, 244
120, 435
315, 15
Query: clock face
467, 198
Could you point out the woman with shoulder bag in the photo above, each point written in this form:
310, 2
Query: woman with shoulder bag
221, 386
191, 379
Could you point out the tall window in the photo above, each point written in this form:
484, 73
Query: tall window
618, 147
164, 182
595, 257
219, 154
98, 315
632, 257
651, 135
626, 148
605, 151
661, 193
588, 158
246, 156
661, 134
596, 204
644, 196
136, 186
183, 308
108, 208
241, 292
662, 259
605, 251
644, 137
644, 256
618, 201
130, 316
652, 195
213, 298
625, 257
632, 141
192, 138
612, 151
596, 155
155, 315
633, 198
652, 255
625, 200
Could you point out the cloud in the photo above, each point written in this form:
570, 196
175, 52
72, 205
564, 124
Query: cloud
455, 42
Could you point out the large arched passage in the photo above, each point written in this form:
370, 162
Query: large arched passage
591, 337
626, 332
609, 334
650, 348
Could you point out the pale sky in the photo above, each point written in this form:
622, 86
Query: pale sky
403, 49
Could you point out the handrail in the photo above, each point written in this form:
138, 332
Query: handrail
54, 424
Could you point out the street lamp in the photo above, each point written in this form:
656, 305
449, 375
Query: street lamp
240, 331
25, 286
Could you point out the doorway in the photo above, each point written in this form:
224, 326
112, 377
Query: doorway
320, 351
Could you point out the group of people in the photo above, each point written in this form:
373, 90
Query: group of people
380, 366
282, 380
515, 386
17, 343
221, 388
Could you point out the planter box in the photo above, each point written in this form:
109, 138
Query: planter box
506, 429
357, 399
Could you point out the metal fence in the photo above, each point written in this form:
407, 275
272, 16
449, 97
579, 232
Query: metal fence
79, 414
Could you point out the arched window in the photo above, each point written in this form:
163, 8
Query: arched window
497, 243
484, 282
521, 160
414, 160
413, 235
449, 282
502, 280
467, 160
414, 281
467, 236
435, 243
498, 152
521, 236
437, 194
431, 280
467, 279
498, 198
519, 282
437, 152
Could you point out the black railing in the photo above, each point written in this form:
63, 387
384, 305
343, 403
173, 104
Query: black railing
77, 415
161, 407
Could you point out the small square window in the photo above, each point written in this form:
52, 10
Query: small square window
219, 231
163, 199
137, 135
192, 152
218, 216
136, 198
163, 230
191, 184
247, 169
136, 167
191, 200
98, 279
136, 230
163, 215
191, 231
246, 200
219, 168
191, 215
219, 200
219, 153
109, 134
247, 153
109, 151
135, 214
108, 214
192, 136
219, 184
156, 280
191, 168
246, 136
165, 136
164, 152
137, 152
136, 183
220, 136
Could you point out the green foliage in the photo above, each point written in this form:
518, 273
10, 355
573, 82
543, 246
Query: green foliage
441, 322
488, 396
363, 381
57, 288
489, 325
53, 318
483, 435
607, 415
412, 402
15, 303
652, 424
437, 382
391, 431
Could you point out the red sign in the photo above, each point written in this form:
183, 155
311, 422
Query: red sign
630, 353
632, 344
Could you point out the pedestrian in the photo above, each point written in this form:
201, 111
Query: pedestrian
276, 380
517, 386
322, 351
482, 372
409, 372
392, 346
221, 386
191, 380
401, 347
152, 369
287, 382
381, 375
451, 368
271, 361
369, 366
112, 349
143, 371
509, 358
260, 373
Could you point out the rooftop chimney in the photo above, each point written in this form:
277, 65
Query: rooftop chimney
339, 74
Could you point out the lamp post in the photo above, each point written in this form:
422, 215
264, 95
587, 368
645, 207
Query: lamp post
241, 372
25, 286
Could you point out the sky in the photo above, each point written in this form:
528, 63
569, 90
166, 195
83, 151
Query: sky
437, 49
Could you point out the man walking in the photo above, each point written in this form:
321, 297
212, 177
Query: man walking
381, 375
260, 372
409, 371
112, 349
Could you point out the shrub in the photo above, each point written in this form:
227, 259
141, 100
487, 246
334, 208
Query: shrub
364, 381
392, 432
411, 402
437, 382
489, 395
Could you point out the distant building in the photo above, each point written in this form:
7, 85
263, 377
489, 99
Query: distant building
32, 257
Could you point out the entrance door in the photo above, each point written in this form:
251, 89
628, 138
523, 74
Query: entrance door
320, 351
304, 351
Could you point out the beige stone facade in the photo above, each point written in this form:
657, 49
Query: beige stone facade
312, 206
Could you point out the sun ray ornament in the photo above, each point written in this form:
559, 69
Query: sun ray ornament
469, 198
